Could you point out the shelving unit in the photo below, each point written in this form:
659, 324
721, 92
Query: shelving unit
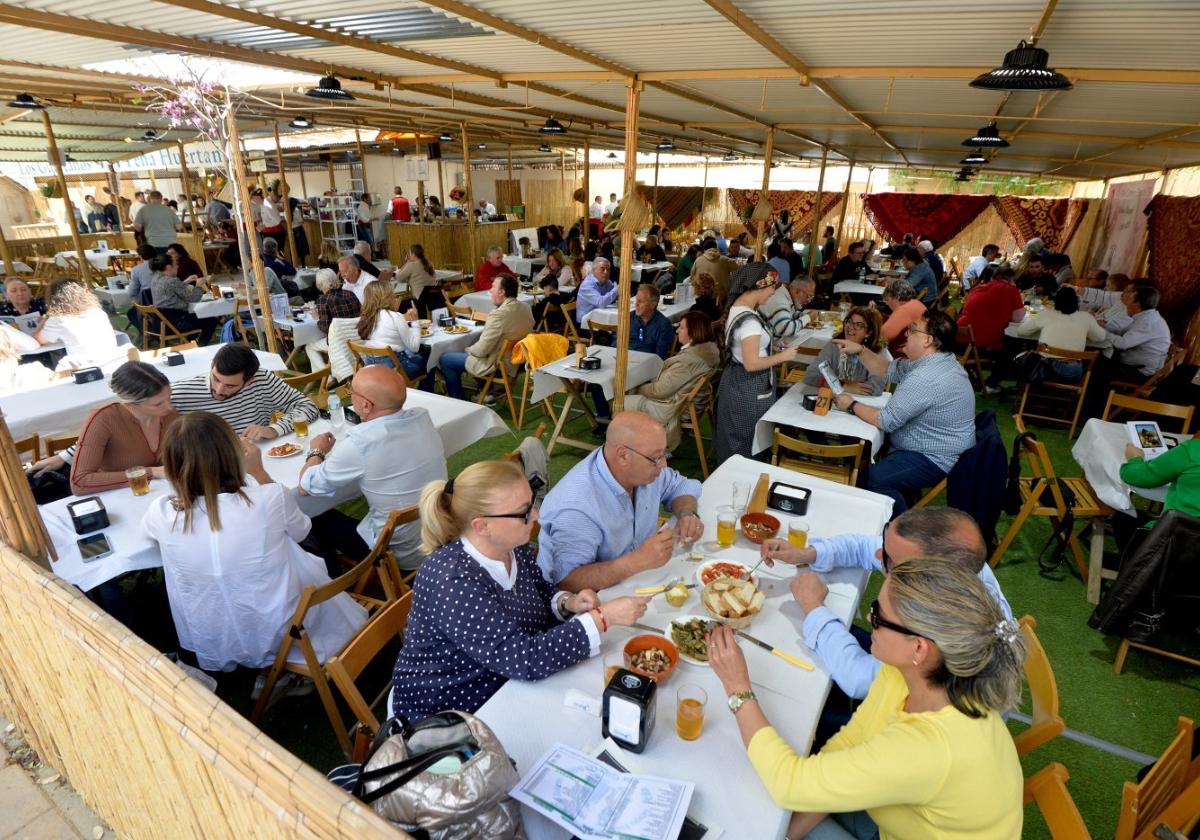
337, 218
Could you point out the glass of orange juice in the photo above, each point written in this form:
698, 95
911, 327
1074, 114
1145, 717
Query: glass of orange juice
798, 533
689, 711
726, 525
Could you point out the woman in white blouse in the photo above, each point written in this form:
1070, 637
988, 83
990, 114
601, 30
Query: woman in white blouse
15, 376
748, 383
557, 268
379, 324
74, 317
231, 552
1066, 327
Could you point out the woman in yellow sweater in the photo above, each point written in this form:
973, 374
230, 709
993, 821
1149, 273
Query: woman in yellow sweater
926, 755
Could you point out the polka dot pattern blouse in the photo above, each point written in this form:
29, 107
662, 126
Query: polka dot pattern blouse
467, 636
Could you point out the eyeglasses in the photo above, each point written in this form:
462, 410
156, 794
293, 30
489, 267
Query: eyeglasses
913, 330
660, 461
525, 516
884, 559
877, 621
856, 325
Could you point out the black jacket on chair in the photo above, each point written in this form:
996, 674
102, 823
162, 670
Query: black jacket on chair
1158, 584
976, 483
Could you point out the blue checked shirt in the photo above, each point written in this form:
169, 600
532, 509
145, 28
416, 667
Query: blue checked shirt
851, 667
588, 516
933, 409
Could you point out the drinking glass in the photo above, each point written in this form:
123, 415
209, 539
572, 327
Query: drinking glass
614, 660
139, 480
726, 526
301, 426
798, 533
689, 711
741, 495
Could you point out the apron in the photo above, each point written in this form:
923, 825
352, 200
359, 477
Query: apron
742, 399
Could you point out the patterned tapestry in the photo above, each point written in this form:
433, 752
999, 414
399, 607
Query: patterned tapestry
1124, 224
931, 216
798, 203
1174, 230
1054, 220
677, 206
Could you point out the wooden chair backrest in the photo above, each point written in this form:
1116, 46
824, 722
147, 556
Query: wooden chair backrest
1142, 801
304, 382
1088, 357
458, 311
568, 313
1048, 787
345, 668
1120, 402
693, 395
819, 459
382, 558
359, 350
1174, 359
1043, 692
31, 444
155, 352
54, 445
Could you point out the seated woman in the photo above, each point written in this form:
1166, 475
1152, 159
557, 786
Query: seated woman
706, 301
232, 559
1067, 327
514, 626
124, 434
556, 267
928, 738
380, 324
684, 270
74, 317
19, 299
662, 396
423, 286
185, 266
862, 325
173, 295
901, 298
555, 322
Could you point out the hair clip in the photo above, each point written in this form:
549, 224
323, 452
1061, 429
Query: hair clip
449, 488
1007, 631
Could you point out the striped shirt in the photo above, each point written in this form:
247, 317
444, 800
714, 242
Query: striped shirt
933, 409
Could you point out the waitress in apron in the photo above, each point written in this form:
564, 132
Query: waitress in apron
747, 387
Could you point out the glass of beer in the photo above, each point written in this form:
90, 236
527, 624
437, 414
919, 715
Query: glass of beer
613, 662
689, 711
798, 533
726, 525
301, 426
276, 416
139, 480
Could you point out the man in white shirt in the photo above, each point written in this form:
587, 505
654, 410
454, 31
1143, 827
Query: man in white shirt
486, 208
596, 211
611, 207
389, 457
365, 218
976, 266
1143, 343
139, 201
354, 279
271, 219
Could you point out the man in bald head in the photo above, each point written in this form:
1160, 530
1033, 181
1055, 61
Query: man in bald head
387, 458
600, 522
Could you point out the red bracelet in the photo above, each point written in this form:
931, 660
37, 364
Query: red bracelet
602, 622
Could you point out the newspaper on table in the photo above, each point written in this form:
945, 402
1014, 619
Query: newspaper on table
597, 802
27, 324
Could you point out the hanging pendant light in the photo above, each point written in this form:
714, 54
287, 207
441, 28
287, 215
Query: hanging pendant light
988, 136
964, 174
25, 100
729, 157
151, 136
976, 158
553, 126
481, 146
329, 88
544, 148
446, 137
665, 145
612, 155
1023, 69
300, 122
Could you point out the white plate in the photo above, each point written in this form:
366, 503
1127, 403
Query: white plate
289, 455
684, 619
714, 561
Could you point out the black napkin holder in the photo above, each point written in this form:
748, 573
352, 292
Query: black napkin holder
628, 709
810, 402
88, 374
446, 321
228, 294
589, 363
788, 498
93, 517
174, 358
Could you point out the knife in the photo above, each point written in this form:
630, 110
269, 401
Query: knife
654, 590
785, 656
648, 628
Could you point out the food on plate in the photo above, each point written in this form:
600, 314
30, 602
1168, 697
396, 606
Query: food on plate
283, 450
722, 569
651, 660
424, 332
732, 599
677, 595
757, 527
691, 638
458, 329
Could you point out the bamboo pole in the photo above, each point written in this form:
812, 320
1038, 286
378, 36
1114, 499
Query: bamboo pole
260, 274
510, 177
303, 183
362, 159
85, 267
329, 167
441, 191
587, 190
466, 145
633, 95
420, 184
845, 201
562, 170
6, 255
654, 200
187, 185
35, 541
704, 193
812, 239
285, 194
765, 192
862, 216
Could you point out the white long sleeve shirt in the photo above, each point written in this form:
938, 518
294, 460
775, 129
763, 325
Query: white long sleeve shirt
1144, 342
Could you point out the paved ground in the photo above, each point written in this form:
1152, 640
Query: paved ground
35, 802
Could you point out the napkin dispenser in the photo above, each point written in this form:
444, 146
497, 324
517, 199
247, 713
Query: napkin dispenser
589, 363
788, 498
88, 374
445, 321
628, 710
88, 515
228, 294
174, 358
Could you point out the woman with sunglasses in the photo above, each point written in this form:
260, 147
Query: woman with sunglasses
862, 325
482, 613
927, 753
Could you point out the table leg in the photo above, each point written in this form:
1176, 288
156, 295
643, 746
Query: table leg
574, 392
562, 419
1095, 560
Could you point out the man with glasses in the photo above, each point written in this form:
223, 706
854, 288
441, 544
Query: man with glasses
853, 266
388, 458
600, 522
930, 419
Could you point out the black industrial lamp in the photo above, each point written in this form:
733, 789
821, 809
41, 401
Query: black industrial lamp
151, 136
446, 137
976, 158
964, 174
665, 145
553, 126
329, 88
301, 122
25, 100
612, 155
988, 136
730, 157
1023, 69
544, 148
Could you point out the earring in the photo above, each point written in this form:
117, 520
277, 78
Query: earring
914, 660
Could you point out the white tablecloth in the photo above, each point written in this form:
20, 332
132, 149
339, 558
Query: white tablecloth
547, 379
812, 338
440, 341
482, 301
96, 257
1100, 450
529, 717
113, 299
523, 266
853, 287
608, 315
789, 410
305, 331
216, 308
60, 408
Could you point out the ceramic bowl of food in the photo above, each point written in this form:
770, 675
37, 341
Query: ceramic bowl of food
732, 602
757, 527
651, 656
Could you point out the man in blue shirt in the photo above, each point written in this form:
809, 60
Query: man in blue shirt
596, 291
920, 277
650, 331
777, 261
931, 256
600, 522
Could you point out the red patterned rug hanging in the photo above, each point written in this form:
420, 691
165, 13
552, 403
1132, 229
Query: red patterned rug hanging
677, 206
1054, 220
798, 203
939, 217
1173, 229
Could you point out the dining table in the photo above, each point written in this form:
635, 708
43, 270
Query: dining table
790, 413
482, 301
609, 315
531, 717
439, 341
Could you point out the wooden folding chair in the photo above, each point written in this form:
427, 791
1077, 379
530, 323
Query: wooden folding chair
347, 666
156, 325
157, 352
392, 580
526, 384
1062, 392
1175, 357
246, 332
1048, 787
610, 329
1138, 406
697, 403
1142, 802
459, 311
568, 313
1042, 495
970, 356
31, 444
54, 445
305, 382
1043, 693
501, 370
836, 463
362, 352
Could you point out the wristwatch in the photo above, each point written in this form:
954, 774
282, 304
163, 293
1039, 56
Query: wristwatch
739, 699
850, 408
315, 453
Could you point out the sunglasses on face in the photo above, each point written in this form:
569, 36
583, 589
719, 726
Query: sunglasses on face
876, 621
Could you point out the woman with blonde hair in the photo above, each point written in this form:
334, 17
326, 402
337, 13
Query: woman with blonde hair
556, 267
482, 613
928, 739
864, 325
232, 559
379, 324
423, 287
74, 317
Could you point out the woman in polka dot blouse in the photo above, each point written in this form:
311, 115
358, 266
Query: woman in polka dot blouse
482, 613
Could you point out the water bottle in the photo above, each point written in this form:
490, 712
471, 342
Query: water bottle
337, 414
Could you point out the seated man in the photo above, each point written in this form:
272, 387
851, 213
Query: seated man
853, 265
362, 254
334, 302
354, 279
600, 522
551, 296
1036, 277
1107, 303
173, 295
650, 331
1144, 342
388, 458
776, 260
795, 260
930, 419
784, 309
931, 256
511, 320
975, 267
596, 291
491, 268
989, 308
920, 277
